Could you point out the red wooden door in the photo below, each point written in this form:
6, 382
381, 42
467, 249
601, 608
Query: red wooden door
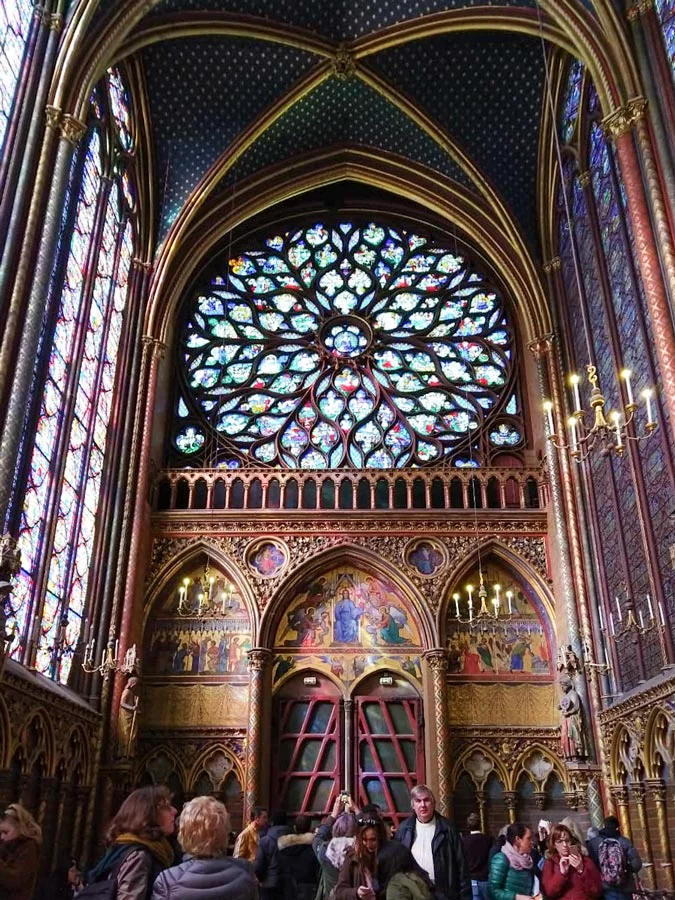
389, 753
307, 754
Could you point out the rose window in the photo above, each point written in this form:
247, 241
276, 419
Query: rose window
362, 346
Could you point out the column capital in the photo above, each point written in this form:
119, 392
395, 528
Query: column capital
258, 658
638, 791
584, 178
437, 658
139, 263
553, 265
540, 347
620, 794
639, 8
72, 129
657, 789
620, 121
156, 347
53, 116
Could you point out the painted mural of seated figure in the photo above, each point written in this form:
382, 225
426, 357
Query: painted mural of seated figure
392, 622
347, 615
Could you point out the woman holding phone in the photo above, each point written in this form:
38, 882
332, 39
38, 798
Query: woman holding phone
567, 873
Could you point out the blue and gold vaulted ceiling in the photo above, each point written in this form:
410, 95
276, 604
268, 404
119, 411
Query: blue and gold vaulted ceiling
480, 92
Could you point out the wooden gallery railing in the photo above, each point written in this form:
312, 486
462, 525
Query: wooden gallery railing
429, 489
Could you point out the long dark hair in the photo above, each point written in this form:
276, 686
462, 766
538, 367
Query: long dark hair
516, 830
138, 814
363, 857
394, 858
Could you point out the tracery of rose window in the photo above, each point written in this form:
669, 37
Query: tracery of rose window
360, 346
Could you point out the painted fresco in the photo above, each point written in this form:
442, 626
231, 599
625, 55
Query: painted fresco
347, 622
515, 648
210, 639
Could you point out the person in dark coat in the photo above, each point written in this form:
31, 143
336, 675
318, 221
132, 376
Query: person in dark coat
632, 862
358, 874
477, 848
62, 884
299, 865
267, 865
206, 873
20, 838
567, 873
436, 846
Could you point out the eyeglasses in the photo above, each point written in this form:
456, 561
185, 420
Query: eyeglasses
564, 841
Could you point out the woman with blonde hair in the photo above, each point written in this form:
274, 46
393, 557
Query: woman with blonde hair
138, 846
206, 872
20, 838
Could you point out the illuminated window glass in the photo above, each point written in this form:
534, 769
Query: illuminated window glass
362, 346
570, 109
666, 13
84, 352
15, 19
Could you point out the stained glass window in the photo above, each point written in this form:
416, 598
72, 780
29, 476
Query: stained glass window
363, 346
570, 107
666, 13
15, 19
84, 347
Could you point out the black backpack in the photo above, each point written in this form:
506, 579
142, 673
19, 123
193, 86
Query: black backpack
105, 887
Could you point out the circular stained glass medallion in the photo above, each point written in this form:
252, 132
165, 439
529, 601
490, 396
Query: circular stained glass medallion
354, 345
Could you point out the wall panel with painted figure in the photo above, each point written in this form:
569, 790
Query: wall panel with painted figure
516, 647
347, 622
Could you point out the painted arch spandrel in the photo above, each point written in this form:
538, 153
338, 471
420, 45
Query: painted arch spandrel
348, 622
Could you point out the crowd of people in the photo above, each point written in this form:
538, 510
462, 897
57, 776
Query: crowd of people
352, 855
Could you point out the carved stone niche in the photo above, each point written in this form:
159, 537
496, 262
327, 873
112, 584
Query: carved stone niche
539, 767
217, 767
160, 767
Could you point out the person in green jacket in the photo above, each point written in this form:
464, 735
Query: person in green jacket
399, 875
512, 875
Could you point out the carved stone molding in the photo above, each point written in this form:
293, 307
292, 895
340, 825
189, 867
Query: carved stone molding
157, 347
622, 120
639, 8
72, 129
643, 700
541, 347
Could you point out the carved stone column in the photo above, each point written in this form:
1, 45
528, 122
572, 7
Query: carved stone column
510, 802
348, 706
437, 660
480, 800
648, 858
657, 790
258, 666
619, 794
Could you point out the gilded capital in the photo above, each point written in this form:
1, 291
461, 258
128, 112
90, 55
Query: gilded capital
621, 120
437, 659
72, 129
343, 63
541, 347
55, 22
584, 178
620, 794
657, 789
552, 265
53, 116
154, 345
258, 658
141, 264
639, 8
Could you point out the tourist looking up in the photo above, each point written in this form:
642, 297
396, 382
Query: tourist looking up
436, 846
206, 873
20, 838
477, 848
333, 838
512, 875
568, 874
246, 845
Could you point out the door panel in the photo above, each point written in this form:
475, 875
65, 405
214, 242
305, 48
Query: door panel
307, 773
389, 760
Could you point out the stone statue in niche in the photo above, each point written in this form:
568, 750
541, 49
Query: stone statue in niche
127, 722
572, 736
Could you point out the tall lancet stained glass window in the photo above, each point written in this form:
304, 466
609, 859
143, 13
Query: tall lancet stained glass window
15, 20
347, 345
67, 460
666, 13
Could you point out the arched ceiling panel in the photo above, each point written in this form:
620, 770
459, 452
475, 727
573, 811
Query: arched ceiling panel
486, 90
203, 92
344, 20
344, 112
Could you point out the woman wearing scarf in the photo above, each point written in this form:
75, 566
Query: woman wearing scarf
512, 875
568, 873
138, 846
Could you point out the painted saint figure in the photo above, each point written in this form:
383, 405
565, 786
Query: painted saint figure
572, 735
347, 615
127, 720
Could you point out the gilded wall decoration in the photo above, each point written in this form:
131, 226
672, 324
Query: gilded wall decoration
302, 548
346, 621
267, 558
176, 706
426, 557
503, 704
515, 647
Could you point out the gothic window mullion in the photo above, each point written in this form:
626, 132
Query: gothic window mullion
50, 550
107, 305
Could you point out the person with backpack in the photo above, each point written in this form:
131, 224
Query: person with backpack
567, 873
617, 860
138, 848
